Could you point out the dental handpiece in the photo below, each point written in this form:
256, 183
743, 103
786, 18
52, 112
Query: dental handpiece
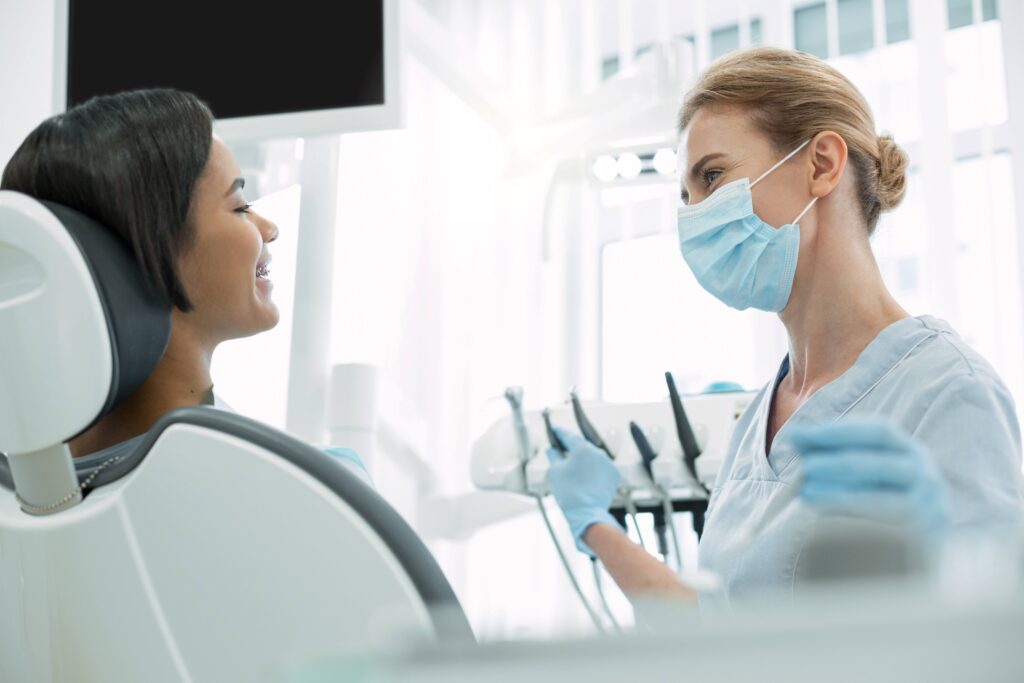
687, 440
647, 456
514, 396
586, 428
553, 439
515, 399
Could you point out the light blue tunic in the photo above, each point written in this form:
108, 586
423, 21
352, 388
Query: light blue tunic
919, 374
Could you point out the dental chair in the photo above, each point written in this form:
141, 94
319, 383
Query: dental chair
219, 549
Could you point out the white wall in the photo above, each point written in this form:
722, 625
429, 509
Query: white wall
26, 69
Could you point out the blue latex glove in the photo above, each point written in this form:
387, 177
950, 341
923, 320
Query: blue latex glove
870, 469
583, 483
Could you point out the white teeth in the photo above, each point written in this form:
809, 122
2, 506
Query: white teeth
262, 270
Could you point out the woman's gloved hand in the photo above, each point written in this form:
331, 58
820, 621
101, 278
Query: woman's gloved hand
583, 481
870, 469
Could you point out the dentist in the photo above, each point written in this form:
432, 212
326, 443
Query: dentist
784, 181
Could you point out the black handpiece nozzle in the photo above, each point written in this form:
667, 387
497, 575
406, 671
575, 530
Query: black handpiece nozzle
647, 454
589, 432
553, 439
661, 531
691, 451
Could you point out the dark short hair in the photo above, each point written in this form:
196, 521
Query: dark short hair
130, 161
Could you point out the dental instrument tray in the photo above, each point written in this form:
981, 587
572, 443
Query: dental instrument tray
498, 462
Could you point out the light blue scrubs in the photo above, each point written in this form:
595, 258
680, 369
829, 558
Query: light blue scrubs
919, 374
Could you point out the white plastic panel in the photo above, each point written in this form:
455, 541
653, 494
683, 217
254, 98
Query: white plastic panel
73, 606
496, 461
214, 560
256, 562
55, 355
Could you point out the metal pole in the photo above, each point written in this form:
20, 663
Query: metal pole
309, 364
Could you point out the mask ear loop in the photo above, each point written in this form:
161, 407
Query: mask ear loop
806, 209
780, 162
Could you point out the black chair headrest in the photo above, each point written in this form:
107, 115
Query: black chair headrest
138, 319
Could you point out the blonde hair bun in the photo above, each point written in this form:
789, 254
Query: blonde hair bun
892, 172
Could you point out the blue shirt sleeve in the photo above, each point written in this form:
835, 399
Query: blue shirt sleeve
970, 430
349, 458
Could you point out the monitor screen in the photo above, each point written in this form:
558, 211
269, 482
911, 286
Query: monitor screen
245, 59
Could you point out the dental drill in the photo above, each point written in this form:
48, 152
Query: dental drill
514, 396
647, 455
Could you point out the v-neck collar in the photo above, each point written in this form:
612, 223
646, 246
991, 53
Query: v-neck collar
834, 400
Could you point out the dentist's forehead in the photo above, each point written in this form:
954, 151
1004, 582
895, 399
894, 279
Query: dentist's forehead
681, 156
684, 154
715, 126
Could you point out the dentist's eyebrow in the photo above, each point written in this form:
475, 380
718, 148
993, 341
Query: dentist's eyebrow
699, 166
235, 186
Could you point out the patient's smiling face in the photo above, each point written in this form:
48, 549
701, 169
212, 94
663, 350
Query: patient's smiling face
224, 268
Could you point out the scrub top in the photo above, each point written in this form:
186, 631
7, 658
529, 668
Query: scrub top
919, 374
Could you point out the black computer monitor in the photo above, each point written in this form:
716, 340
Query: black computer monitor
266, 68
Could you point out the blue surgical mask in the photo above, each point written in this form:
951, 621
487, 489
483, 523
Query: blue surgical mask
736, 256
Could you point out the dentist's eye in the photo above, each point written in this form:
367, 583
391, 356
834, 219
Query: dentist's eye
709, 176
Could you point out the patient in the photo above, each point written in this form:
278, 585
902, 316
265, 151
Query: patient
147, 165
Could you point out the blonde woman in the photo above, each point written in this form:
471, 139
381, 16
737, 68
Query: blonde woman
783, 183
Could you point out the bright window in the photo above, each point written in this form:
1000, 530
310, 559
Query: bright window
724, 40
656, 317
989, 10
856, 26
251, 374
988, 284
976, 87
810, 30
897, 20
960, 13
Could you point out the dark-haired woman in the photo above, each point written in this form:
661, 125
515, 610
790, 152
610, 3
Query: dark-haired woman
147, 165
